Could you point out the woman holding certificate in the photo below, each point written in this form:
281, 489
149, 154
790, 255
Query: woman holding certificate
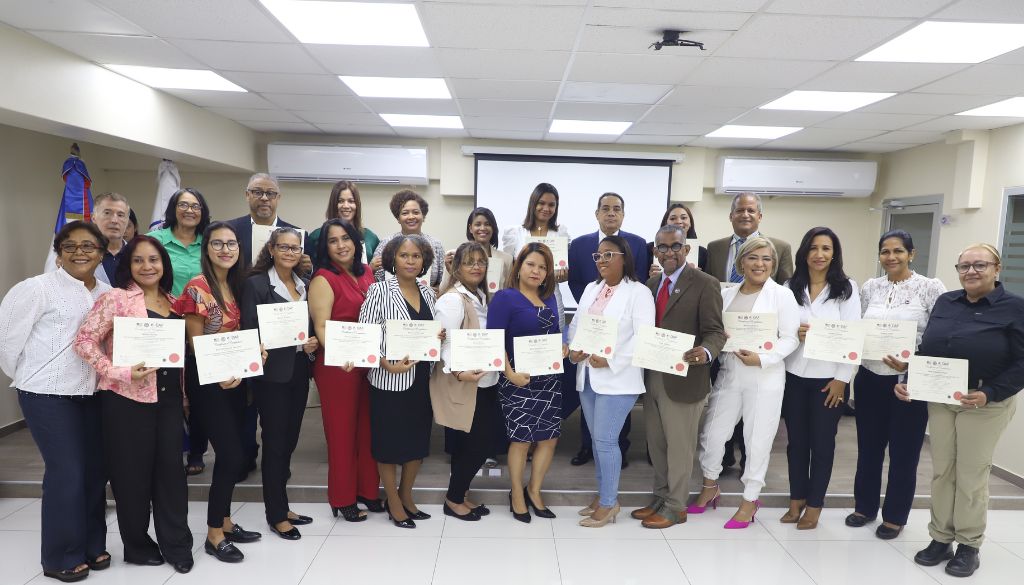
811, 405
280, 393
410, 210
982, 323
752, 379
336, 293
883, 420
400, 412
142, 412
344, 203
609, 386
209, 304
56, 391
530, 401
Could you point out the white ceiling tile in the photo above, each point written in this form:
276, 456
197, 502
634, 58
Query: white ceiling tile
782, 118
261, 57
676, 19
431, 132
255, 115
776, 36
65, 15
1006, 80
121, 49
774, 73
324, 103
950, 123
503, 89
377, 61
928, 103
984, 10
725, 97
663, 140
685, 115
591, 138
297, 127
480, 64
412, 106
509, 108
231, 20
506, 134
869, 121
621, 93
1012, 58
339, 117
620, 39
533, 2
610, 112
864, 76
870, 146
304, 84
908, 137
820, 138
654, 68
221, 99
669, 129
501, 123
500, 27
355, 129
726, 142
873, 8
724, 5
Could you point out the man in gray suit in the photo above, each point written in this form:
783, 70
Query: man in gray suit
745, 215
689, 301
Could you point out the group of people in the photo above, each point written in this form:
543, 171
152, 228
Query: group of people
95, 422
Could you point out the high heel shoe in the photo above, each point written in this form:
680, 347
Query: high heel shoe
525, 516
713, 502
407, 523
351, 513
591, 522
540, 512
791, 516
809, 521
374, 505
589, 510
734, 524
417, 515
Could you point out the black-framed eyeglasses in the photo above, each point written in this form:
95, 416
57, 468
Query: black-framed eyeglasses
219, 245
475, 264
185, 206
965, 267
85, 247
665, 248
605, 256
260, 194
288, 248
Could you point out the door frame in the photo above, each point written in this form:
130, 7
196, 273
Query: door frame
904, 204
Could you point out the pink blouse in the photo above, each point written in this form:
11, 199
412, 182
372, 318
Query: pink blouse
604, 296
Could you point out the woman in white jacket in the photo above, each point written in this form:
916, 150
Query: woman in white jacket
750, 384
609, 385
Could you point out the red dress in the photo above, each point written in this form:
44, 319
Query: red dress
345, 404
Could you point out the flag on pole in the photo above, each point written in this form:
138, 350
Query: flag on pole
168, 181
75, 201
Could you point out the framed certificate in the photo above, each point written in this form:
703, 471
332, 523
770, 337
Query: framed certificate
283, 324
595, 334
355, 343
937, 379
662, 350
757, 332
836, 341
477, 349
416, 339
222, 356
538, 355
559, 248
158, 343
895, 338
261, 235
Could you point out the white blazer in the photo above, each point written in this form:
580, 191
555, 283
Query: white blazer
633, 306
778, 299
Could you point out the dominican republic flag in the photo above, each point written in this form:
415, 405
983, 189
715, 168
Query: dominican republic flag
76, 201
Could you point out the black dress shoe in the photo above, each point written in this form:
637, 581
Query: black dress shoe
582, 457
887, 532
183, 566
525, 516
145, 561
407, 523
858, 520
292, 534
300, 520
417, 515
372, 505
540, 512
482, 510
965, 562
239, 534
225, 552
470, 516
933, 554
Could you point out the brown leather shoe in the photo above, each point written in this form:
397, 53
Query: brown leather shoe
643, 513
666, 519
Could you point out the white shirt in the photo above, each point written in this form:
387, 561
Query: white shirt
908, 300
282, 289
39, 319
821, 308
451, 312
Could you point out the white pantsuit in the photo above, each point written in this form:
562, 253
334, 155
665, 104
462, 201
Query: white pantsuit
751, 392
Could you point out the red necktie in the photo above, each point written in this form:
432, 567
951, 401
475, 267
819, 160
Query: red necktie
661, 302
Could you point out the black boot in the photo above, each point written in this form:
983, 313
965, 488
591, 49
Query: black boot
933, 554
965, 562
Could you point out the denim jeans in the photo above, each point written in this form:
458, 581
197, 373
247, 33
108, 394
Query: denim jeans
606, 413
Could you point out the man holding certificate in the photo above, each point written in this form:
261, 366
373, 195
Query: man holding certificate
982, 324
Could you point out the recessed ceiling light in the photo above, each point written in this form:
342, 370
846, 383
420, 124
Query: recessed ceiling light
765, 132
950, 42
588, 127
165, 78
825, 101
1010, 108
397, 87
422, 121
350, 23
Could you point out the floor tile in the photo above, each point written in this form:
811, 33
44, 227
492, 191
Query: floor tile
252, 516
567, 525
269, 560
999, 565
497, 561
831, 526
379, 525
855, 562
9, 506
710, 526
19, 555
716, 562
1016, 548
500, 524
600, 562
371, 559
1005, 526
26, 517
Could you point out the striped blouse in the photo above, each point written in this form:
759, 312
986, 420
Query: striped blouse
384, 301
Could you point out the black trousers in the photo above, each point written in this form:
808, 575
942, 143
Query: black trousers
198, 439
473, 448
571, 401
222, 412
886, 421
281, 406
67, 431
811, 427
142, 447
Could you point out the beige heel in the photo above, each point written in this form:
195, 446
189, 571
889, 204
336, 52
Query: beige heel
591, 522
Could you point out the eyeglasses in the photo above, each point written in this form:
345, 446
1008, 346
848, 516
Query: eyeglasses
185, 206
605, 256
282, 248
85, 247
219, 245
977, 266
664, 248
475, 264
260, 194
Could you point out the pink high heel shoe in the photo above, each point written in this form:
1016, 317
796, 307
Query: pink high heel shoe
733, 524
713, 502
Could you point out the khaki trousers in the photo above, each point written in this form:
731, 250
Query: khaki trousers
962, 442
672, 430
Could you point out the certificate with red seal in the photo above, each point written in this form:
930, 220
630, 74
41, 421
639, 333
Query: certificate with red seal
352, 343
477, 349
222, 356
158, 343
662, 350
416, 339
595, 335
832, 340
756, 332
559, 248
494, 284
889, 337
538, 355
283, 324
934, 379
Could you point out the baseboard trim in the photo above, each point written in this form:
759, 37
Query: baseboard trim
12, 427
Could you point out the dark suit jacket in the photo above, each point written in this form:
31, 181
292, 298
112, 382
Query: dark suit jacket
280, 361
694, 307
718, 255
583, 271
243, 227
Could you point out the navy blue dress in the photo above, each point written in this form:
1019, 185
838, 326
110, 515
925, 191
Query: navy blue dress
533, 412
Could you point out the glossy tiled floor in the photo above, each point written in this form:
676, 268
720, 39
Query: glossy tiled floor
499, 550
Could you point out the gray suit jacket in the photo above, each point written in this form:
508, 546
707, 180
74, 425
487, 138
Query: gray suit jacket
718, 255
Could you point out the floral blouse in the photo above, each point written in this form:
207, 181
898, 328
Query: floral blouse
198, 299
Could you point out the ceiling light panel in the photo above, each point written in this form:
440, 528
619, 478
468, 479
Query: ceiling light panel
350, 23
607, 128
763, 132
825, 101
164, 78
1013, 108
397, 87
422, 121
950, 42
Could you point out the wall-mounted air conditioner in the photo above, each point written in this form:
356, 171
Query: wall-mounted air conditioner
394, 165
789, 176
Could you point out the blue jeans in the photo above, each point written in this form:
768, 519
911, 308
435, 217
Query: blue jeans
606, 413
